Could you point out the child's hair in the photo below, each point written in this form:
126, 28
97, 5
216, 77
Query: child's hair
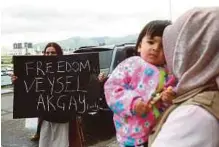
152, 29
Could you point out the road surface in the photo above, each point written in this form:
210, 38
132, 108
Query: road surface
14, 133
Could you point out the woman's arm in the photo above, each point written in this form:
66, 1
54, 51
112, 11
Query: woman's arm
189, 126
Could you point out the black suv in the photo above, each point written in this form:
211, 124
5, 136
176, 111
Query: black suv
99, 125
110, 56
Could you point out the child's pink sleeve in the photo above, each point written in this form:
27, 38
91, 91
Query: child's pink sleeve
120, 94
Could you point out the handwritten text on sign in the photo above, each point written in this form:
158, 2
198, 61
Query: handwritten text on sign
65, 84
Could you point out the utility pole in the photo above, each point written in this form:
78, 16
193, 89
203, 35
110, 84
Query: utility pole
26, 48
170, 9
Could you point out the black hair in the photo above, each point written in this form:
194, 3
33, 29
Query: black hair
152, 29
56, 46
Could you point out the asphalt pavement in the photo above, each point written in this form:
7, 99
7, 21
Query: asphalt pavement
15, 134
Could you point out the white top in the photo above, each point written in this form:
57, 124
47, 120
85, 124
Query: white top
54, 134
189, 126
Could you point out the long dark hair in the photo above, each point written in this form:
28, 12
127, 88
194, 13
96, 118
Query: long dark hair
152, 29
56, 46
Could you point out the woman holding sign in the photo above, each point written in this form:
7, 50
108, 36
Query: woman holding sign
52, 132
51, 49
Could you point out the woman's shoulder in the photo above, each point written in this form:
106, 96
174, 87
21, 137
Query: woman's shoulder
192, 112
194, 118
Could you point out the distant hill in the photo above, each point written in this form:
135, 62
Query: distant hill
76, 42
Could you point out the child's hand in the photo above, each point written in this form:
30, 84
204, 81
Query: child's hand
141, 108
168, 95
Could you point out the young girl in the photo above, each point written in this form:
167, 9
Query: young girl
131, 88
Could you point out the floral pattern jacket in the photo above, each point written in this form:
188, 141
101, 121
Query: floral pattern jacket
131, 80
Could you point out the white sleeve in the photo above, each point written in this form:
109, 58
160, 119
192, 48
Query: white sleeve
189, 126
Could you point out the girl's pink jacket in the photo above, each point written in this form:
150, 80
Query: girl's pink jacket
131, 80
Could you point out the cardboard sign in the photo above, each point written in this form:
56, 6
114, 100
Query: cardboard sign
55, 86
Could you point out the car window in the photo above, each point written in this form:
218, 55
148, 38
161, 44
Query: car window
122, 54
105, 55
119, 57
105, 58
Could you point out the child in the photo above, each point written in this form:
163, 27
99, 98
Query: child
131, 86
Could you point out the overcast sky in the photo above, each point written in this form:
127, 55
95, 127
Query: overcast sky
51, 20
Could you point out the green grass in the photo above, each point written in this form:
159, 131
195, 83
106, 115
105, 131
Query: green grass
6, 59
7, 65
6, 86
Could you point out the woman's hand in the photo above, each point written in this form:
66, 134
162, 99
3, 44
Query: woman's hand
13, 78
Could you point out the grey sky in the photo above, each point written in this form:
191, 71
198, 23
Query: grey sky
51, 20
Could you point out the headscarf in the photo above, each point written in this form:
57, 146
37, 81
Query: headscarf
191, 47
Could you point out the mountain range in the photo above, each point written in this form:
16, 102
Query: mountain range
76, 42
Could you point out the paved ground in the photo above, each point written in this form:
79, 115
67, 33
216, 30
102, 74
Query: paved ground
6, 90
14, 133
